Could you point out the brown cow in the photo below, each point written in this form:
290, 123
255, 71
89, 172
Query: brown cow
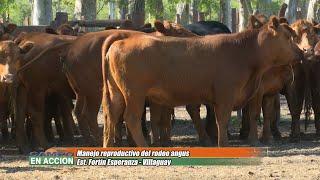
35, 84
293, 90
130, 74
64, 29
83, 62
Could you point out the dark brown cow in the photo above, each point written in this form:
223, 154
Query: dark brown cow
130, 76
6, 30
5, 34
34, 84
4, 110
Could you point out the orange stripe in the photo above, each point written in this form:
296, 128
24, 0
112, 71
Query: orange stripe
227, 152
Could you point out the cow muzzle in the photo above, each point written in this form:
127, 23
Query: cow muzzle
8, 78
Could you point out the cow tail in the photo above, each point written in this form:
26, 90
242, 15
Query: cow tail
106, 99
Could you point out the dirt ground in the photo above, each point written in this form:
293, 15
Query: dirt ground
285, 160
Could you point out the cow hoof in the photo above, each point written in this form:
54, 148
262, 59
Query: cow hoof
277, 135
255, 143
267, 141
25, 150
243, 136
206, 143
166, 144
295, 139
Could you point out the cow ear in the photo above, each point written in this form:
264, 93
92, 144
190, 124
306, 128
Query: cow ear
10, 28
146, 26
159, 26
274, 23
283, 20
26, 47
314, 22
254, 22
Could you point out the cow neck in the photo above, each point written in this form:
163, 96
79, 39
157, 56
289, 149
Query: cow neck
38, 57
257, 64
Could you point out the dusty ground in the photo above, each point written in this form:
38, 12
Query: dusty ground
285, 160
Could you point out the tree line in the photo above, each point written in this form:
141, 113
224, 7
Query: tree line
41, 12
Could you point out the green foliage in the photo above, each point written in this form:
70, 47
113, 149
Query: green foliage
18, 10
63, 6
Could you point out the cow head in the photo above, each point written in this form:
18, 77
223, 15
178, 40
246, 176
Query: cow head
6, 30
10, 59
64, 29
172, 29
277, 40
306, 36
256, 21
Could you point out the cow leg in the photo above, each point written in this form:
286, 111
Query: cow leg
20, 104
194, 112
113, 107
155, 117
65, 110
269, 115
48, 128
165, 126
58, 120
254, 107
245, 123
316, 108
223, 114
211, 125
78, 109
37, 114
83, 124
295, 106
275, 123
4, 122
144, 130
144, 124
91, 110
132, 114
4, 129
118, 133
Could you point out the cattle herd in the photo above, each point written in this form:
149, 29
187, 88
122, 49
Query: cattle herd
125, 70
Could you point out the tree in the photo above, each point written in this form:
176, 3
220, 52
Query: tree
85, 9
264, 7
291, 10
311, 10
183, 12
159, 10
245, 10
41, 12
195, 12
137, 12
225, 12
112, 9
123, 7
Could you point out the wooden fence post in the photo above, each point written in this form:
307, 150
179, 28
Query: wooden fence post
234, 20
201, 16
178, 19
61, 18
